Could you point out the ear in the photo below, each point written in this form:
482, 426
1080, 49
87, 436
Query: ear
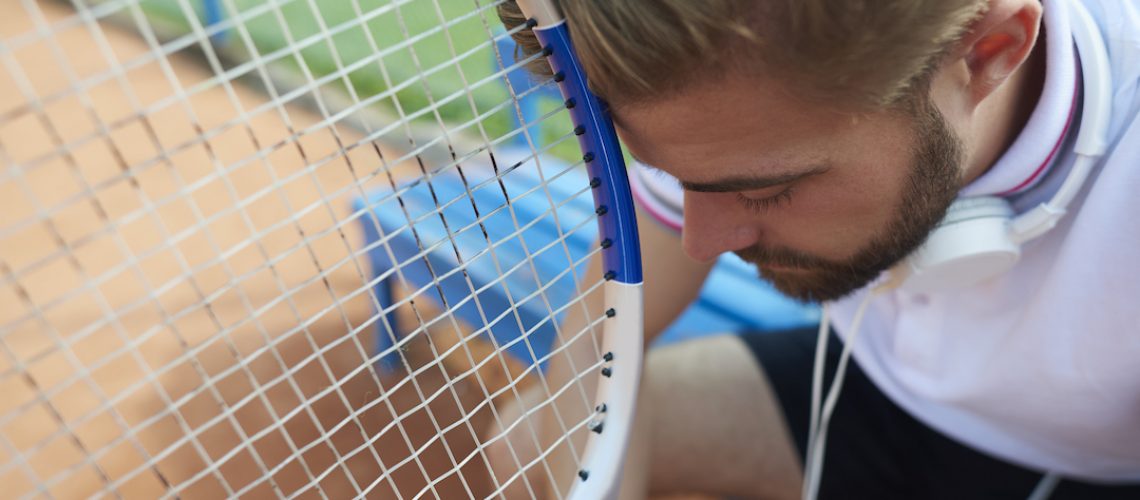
998, 43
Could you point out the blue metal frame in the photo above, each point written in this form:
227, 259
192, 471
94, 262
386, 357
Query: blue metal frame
621, 254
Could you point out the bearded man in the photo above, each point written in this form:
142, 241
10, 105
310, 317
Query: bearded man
824, 141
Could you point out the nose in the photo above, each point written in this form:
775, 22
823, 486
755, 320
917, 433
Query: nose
714, 224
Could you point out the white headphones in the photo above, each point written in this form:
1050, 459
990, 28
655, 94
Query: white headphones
980, 237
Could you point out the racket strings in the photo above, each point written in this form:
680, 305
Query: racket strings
230, 168
273, 105
328, 372
52, 411
243, 203
541, 291
79, 268
434, 274
255, 238
218, 323
492, 283
256, 313
88, 17
112, 225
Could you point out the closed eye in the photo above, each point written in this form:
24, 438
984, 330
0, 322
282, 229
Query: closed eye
764, 204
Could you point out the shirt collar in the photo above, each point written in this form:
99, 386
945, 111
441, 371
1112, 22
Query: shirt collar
1036, 146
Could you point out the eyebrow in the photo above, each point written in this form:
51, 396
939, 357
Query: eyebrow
737, 184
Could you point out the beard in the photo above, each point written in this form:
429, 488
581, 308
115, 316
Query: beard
930, 188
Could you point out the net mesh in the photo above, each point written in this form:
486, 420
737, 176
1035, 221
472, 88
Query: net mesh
282, 249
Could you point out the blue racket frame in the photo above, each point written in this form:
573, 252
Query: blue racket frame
621, 254
622, 340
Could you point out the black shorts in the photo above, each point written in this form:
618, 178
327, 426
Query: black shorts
877, 450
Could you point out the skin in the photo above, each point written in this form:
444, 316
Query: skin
859, 167
824, 199
927, 188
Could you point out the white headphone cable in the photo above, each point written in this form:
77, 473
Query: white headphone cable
817, 429
1045, 487
817, 381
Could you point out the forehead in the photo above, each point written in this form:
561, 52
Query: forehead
738, 123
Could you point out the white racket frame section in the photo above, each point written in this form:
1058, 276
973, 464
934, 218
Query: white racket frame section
602, 463
605, 452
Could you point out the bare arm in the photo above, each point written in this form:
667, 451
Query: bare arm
672, 282
672, 279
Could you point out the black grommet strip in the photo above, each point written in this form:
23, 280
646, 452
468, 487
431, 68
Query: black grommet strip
600, 408
583, 475
611, 312
609, 275
595, 182
579, 130
597, 428
532, 22
601, 210
570, 103
606, 243
546, 51
607, 371
588, 157
609, 356
559, 76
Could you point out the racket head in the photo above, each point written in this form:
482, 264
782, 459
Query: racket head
204, 292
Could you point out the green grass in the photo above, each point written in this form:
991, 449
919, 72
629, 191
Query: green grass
429, 61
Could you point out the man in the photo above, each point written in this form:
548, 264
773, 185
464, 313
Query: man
823, 141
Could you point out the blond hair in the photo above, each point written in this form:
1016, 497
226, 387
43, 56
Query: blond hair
866, 53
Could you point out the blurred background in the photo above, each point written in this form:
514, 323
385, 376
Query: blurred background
201, 206
185, 305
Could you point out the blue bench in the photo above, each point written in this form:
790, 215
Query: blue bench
556, 231
512, 252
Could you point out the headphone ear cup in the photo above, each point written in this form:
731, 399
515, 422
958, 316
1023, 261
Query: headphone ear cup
975, 207
972, 244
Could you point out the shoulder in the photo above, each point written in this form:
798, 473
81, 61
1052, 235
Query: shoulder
1119, 24
658, 194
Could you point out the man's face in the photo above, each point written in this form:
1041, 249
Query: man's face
822, 202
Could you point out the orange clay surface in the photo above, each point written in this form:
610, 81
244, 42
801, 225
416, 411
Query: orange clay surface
113, 370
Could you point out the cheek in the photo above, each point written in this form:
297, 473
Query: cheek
840, 214
836, 218
717, 215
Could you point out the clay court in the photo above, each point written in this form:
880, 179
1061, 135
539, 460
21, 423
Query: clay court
129, 243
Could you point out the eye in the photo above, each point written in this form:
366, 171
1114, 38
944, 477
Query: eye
761, 205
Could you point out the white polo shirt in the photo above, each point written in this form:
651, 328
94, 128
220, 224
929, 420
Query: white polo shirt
1041, 366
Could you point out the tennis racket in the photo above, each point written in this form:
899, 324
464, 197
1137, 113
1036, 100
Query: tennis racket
298, 248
